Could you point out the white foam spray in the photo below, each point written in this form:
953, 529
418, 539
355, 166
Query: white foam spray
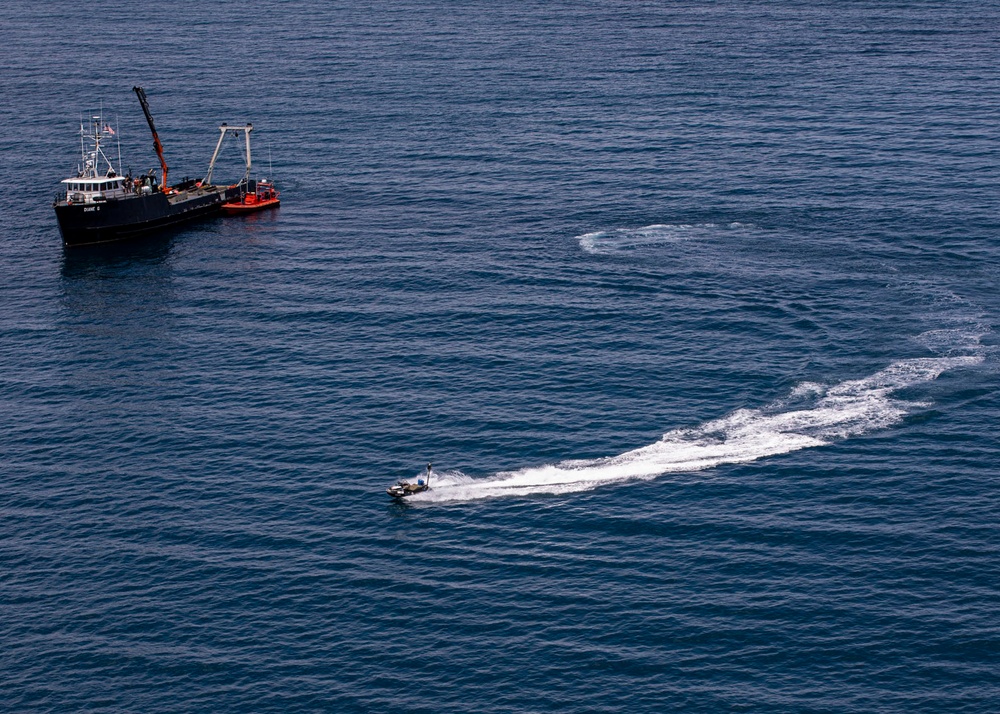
812, 415
622, 239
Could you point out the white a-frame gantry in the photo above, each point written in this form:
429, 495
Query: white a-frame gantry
225, 130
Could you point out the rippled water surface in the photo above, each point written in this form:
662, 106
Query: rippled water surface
693, 307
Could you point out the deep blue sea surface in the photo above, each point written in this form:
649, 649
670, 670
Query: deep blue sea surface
693, 306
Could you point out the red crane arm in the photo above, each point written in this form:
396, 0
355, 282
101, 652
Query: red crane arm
139, 92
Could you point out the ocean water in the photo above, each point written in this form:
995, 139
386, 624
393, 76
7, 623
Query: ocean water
693, 306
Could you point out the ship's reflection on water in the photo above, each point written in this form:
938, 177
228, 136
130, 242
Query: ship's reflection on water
123, 288
106, 258
134, 287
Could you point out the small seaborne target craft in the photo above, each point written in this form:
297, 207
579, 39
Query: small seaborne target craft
404, 489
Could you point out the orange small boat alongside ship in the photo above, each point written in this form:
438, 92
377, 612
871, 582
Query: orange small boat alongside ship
260, 195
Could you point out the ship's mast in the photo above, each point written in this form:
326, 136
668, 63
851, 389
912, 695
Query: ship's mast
83, 148
94, 162
139, 92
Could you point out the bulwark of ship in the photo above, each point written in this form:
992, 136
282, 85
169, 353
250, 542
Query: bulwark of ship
99, 205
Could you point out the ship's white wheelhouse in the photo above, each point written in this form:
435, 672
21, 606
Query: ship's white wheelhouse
94, 190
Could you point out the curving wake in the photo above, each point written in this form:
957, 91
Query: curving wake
812, 415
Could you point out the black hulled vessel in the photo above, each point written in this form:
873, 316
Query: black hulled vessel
99, 205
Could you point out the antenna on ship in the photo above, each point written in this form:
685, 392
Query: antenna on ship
83, 147
119, 137
100, 129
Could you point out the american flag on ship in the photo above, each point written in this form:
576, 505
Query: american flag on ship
109, 130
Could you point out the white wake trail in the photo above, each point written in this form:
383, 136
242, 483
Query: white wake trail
623, 239
812, 415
